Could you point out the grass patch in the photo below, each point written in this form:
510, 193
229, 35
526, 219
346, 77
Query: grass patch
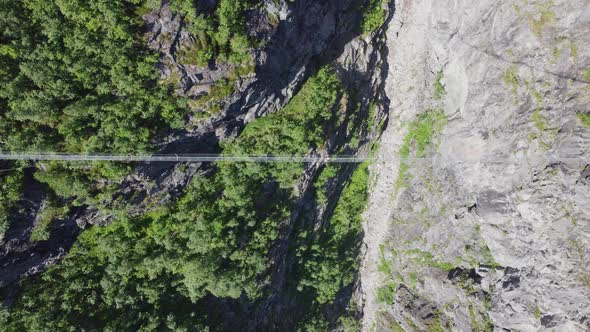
371, 116
488, 257
425, 258
422, 132
556, 52
538, 313
386, 294
173, 80
517, 8
395, 327
584, 273
510, 77
587, 75
403, 178
413, 279
435, 325
384, 264
584, 119
539, 121
213, 102
474, 324
439, 88
420, 136
546, 17
484, 326
573, 51
536, 96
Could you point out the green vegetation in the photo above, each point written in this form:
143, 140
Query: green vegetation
420, 136
587, 75
539, 121
374, 13
538, 14
77, 181
315, 325
211, 101
73, 79
556, 53
486, 324
11, 182
412, 279
579, 250
76, 79
328, 172
584, 119
396, 327
411, 324
386, 294
439, 88
331, 262
511, 79
152, 272
425, 258
474, 323
421, 133
538, 313
384, 264
350, 324
517, 8
50, 212
488, 257
219, 36
435, 325
573, 51
546, 17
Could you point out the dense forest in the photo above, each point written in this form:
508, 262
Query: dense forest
76, 77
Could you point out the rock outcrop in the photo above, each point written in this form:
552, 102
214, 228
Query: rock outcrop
489, 228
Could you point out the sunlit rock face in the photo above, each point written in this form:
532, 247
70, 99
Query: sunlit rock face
494, 231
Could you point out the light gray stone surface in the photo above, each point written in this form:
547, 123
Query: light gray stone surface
495, 233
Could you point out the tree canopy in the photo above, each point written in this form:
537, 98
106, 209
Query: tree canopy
75, 77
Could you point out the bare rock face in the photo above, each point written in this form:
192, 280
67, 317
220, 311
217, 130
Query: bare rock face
492, 230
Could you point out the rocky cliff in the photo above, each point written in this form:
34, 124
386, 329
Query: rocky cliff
479, 201
488, 228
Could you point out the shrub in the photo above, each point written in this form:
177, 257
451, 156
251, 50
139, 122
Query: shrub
373, 15
10, 191
42, 229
